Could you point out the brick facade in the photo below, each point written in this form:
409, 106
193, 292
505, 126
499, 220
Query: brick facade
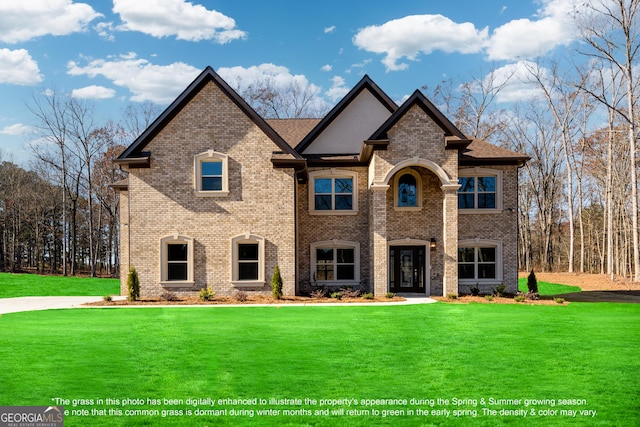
269, 200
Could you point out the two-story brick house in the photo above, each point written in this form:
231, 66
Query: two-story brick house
374, 195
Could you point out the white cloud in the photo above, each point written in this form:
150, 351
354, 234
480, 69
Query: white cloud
409, 36
179, 18
16, 129
530, 38
519, 84
105, 30
26, 19
240, 78
93, 92
330, 29
326, 67
338, 90
148, 82
18, 68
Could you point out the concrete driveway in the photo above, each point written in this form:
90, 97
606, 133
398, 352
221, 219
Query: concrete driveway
14, 305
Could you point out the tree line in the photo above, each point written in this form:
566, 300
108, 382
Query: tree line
578, 201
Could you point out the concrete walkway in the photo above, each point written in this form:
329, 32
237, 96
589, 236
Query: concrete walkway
14, 305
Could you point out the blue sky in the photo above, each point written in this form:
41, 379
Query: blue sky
117, 52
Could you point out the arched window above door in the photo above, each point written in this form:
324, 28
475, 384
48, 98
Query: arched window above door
408, 190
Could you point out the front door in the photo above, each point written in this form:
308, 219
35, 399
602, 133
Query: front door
407, 272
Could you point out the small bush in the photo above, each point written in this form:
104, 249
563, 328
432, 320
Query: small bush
475, 290
559, 300
488, 297
336, 295
318, 293
519, 298
276, 284
107, 298
532, 283
241, 296
169, 296
452, 296
206, 294
390, 295
532, 296
349, 293
367, 295
500, 290
133, 285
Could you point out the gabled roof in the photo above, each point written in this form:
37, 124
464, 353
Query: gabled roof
293, 131
364, 83
452, 134
483, 152
135, 155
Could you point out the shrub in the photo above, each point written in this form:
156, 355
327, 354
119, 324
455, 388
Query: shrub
367, 295
336, 295
107, 298
318, 293
390, 295
241, 296
276, 284
500, 290
452, 296
532, 283
206, 294
519, 298
133, 285
559, 300
533, 296
475, 290
488, 297
349, 293
169, 296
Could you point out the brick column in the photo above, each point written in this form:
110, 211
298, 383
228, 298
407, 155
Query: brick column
450, 237
378, 231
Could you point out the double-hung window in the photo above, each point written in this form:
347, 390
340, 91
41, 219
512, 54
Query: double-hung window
479, 189
247, 259
176, 260
333, 192
211, 175
335, 262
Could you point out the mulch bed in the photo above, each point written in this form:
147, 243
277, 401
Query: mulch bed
254, 299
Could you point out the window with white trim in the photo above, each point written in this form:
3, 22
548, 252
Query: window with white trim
333, 192
335, 262
408, 190
480, 189
247, 260
211, 174
479, 261
176, 260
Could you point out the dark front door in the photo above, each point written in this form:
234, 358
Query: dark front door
407, 269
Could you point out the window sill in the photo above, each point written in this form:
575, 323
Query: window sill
211, 193
313, 212
481, 211
407, 208
177, 284
248, 283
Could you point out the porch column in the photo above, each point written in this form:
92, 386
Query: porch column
378, 269
450, 237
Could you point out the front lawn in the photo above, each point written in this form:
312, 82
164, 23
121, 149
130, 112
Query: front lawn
526, 363
23, 285
545, 288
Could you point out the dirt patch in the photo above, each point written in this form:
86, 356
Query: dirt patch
254, 299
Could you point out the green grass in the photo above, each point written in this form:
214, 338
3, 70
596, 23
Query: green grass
545, 288
21, 285
445, 351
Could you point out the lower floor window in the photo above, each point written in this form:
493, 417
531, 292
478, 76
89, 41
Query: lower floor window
477, 263
335, 261
177, 262
176, 258
247, 260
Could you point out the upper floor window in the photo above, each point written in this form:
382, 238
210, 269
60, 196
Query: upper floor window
211, 174
333, 192
479, 189
408, 190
